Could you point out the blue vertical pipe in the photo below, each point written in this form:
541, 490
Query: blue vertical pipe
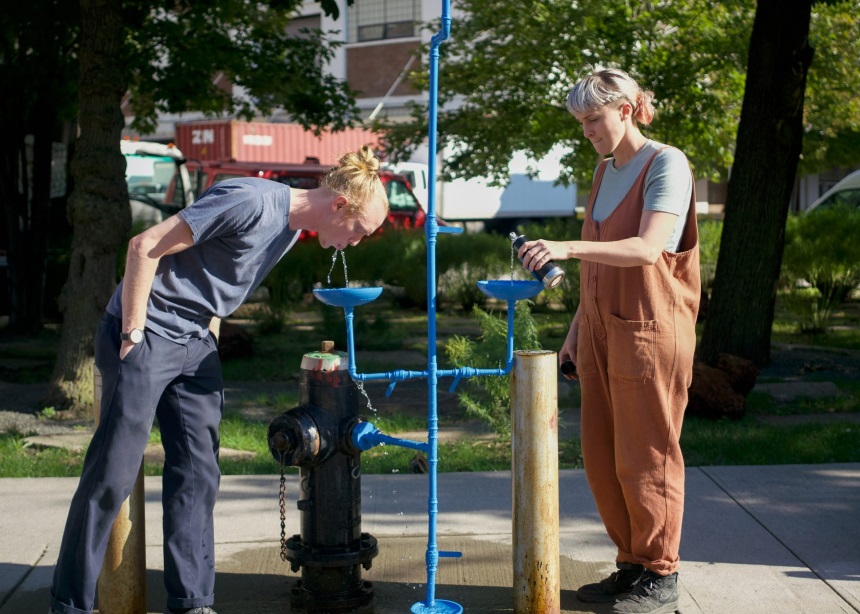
432, 230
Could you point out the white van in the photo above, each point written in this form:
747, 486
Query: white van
846, 192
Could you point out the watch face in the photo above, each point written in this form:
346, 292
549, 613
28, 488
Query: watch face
136, 335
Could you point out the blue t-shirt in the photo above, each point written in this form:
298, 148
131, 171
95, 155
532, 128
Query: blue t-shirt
241, 230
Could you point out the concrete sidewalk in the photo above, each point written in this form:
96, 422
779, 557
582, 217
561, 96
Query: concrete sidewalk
773, 539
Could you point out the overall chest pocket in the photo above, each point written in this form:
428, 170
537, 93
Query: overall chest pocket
632, 348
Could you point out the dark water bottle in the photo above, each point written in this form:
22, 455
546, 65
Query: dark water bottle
550, 274
568, 368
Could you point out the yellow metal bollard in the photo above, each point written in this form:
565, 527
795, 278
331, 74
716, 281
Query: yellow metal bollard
122, 581
534, 447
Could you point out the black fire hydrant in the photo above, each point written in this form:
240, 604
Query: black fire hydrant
315, 436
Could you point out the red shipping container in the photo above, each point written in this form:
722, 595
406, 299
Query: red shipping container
233, 140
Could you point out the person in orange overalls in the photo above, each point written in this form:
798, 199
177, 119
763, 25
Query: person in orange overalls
633, 337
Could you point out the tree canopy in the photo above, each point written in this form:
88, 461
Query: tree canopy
508, 66
162, 56
759, 87
176, 51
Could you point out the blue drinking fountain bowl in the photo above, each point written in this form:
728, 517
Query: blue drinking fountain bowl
509, 290
347, 297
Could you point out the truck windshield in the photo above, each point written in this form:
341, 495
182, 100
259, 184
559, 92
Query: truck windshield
149, 176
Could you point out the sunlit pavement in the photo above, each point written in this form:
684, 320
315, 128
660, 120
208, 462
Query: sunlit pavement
767, 539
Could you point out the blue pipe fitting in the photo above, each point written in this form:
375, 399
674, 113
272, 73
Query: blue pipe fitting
365, 436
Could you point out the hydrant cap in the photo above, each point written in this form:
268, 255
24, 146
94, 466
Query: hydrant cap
325, 360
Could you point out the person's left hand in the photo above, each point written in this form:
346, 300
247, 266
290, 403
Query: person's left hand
124, 348
535, 254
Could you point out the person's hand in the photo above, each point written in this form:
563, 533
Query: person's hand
124, 349
568, 349
535, 254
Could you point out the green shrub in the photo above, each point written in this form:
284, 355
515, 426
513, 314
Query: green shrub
398, 259
489, 398
371, 331
811, 312
270, 319
710, 232
567, 292
822, 251
560, 229
464, 260
295, 275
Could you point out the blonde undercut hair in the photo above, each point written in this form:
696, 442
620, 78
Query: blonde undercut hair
606, 86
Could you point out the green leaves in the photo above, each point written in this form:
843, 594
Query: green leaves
197, 58
509, 65
489, 398
821, 248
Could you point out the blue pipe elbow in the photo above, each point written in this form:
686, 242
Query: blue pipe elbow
364, 436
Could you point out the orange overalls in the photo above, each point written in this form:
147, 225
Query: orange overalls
635, 362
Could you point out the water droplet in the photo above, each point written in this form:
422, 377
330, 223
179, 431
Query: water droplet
345, 276
361, 389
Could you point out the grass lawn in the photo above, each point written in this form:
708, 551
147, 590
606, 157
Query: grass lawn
387, 336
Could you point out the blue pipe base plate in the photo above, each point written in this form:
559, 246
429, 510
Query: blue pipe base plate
440, 606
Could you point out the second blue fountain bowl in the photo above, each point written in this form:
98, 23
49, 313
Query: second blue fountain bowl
510, 290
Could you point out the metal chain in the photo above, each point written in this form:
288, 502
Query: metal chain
282, 500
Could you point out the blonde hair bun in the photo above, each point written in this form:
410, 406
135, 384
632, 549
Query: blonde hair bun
357, 177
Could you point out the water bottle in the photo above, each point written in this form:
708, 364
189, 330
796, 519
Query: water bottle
550, 274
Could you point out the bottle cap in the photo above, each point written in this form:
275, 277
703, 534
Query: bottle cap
553, 277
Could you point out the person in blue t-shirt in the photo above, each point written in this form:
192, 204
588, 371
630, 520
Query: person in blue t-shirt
157, 357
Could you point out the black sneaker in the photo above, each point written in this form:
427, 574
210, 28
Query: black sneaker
653, 594
609, 589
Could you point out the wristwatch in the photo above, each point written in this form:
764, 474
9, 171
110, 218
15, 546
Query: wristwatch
135, 335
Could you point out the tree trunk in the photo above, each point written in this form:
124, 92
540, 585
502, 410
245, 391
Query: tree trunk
770, 134
98, 208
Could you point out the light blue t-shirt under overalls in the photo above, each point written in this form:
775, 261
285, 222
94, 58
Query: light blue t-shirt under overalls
668, 186
241, 230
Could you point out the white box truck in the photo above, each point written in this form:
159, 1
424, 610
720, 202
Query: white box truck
499, 208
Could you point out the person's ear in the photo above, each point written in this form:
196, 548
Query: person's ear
626, 111
339, 203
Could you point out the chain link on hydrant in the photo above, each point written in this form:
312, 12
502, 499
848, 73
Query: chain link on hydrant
282, 500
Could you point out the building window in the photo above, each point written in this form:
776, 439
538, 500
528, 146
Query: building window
372, 20
297, 26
